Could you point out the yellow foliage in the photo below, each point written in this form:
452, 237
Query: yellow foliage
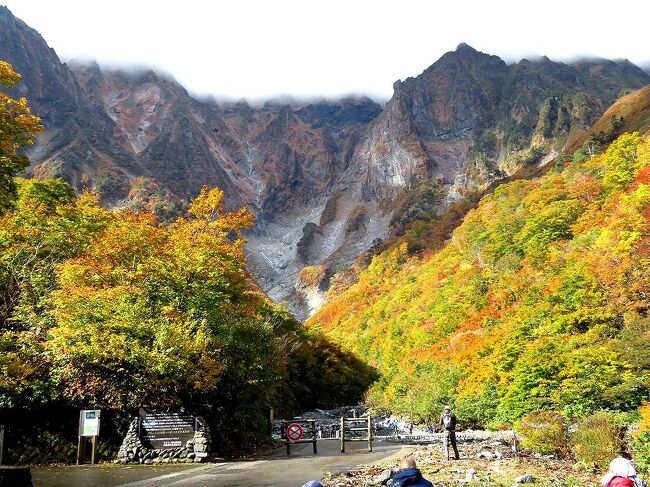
538, 269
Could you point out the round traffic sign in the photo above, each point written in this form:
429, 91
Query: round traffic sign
294, 432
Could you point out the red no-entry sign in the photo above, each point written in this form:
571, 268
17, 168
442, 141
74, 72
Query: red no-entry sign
294, 432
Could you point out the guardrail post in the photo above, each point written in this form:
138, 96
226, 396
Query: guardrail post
342, 434
2, 440
369, 433
283, 425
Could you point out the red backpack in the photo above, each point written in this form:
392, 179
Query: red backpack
620, 482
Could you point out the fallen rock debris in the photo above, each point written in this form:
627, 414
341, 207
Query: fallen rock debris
487, 461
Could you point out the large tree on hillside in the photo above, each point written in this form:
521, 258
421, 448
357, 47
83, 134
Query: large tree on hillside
17, 129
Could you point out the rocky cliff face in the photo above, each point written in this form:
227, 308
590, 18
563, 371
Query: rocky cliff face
325, 179
470, 119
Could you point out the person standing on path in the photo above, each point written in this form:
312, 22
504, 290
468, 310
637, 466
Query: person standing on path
448, 426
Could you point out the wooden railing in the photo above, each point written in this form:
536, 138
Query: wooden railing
349, 428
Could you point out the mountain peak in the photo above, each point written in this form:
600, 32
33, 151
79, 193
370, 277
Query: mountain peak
466, 53
6, 16
463, 47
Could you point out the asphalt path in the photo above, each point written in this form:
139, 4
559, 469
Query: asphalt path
275, 469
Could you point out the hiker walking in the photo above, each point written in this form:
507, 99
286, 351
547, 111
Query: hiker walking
448, 426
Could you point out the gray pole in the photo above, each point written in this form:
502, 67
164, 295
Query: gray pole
80, 443
2, 440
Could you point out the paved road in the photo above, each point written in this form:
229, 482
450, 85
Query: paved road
274, 470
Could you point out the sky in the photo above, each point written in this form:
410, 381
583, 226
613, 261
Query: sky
259, 49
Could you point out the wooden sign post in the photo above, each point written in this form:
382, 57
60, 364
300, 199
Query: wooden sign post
88, 431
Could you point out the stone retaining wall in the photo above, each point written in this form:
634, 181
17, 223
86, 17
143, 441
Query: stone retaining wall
196, 450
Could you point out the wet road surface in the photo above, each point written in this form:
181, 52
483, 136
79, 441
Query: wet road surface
274, 470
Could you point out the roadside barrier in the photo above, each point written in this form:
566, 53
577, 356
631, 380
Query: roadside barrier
299, 431
350, 430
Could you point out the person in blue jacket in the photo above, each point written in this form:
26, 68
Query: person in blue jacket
409, 475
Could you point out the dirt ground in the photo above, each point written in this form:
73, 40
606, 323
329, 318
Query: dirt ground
489, 462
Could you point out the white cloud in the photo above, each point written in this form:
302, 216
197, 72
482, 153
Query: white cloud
261, 48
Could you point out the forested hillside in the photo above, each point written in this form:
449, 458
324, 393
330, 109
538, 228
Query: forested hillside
116, 310
539, 300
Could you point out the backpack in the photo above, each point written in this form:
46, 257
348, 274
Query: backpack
621, 482
447, 421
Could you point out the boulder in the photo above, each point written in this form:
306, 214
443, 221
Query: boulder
525, 479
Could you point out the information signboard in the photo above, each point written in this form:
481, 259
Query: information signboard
89, 422
160, 429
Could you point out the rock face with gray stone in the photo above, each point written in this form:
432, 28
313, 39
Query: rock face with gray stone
325, 179
196, 450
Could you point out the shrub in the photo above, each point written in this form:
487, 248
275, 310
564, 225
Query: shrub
641, 449
597, 440
479, 410
544, 432
580, 156
641, 441
312, 275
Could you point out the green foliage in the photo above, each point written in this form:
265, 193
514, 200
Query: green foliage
596, 440
600, 140
423, 397
544, 432
621, 162
580, 156
109, 185
533, 155
112, 309
535, 302
479, 410
485, 144
321, 374
641, 447
555, 116
641, 440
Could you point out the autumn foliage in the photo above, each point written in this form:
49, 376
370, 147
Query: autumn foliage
117, 309
112, 309
538, 301
17, 129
